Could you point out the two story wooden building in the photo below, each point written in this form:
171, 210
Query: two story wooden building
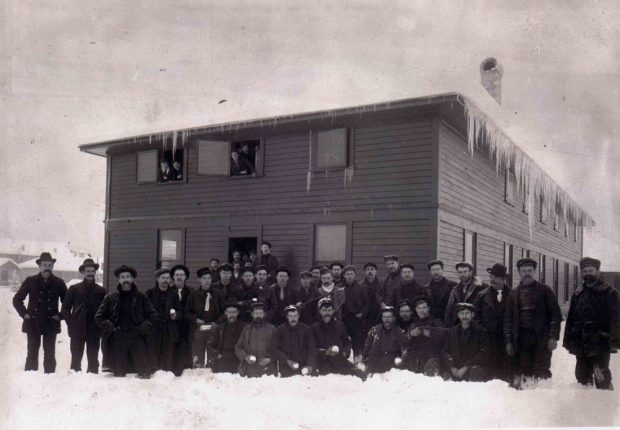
424, 178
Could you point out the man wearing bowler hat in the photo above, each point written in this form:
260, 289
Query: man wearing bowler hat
531, 324
491, 305
78, 309
592, 329
126, 316
42, 318
466, 291
438, 289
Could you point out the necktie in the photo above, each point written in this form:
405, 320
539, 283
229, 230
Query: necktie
180, 294
499, 296
207, 302
281, 294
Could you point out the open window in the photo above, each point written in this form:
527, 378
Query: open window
330, 149
241, 249
171, 247
242, 158
160, 166
330, 243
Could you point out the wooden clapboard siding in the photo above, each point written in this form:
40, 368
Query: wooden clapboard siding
451, 247
490, 251
135, 247
290, 243
202, 244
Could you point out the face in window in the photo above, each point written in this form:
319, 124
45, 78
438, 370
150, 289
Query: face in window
236, 256
245, 148
164, 166
177, 166
252, 256
237, 266
235, 156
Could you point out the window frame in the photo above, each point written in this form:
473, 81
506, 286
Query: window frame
556, 276
508, 261
350, 131
181, 247
348, 240
156, 166
474, 246
542, 268
566, 282
182, 181
222, 141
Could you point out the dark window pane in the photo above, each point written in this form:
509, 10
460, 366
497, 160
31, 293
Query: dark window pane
332, 148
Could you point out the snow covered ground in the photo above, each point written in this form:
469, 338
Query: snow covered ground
199, 399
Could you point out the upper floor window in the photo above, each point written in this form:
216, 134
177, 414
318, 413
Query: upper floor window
147, 166
331, 148
225, 158
160, 166
575, 231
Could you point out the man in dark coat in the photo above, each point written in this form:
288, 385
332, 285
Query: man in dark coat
225, 287
592, 329
225, 339
329, 289
390, 287
333, 343
127, 316
293, 346
78, 309
254, 349
438, 289
280, 296
336, 268
203, 310
382, 349
261, 288
491, 305
163, 339
371, 285
179, 275
354, 311
405, 315
214, 267
466, 349
531, 324
308, 298
244, 293
466, 291
267, 259
316, 276
41, 319
423, 341
409, 287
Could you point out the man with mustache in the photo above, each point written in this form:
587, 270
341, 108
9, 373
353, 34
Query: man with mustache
371, 285
438, 289
390, 287
127, 316
180, 275
163, 340
254, 347
592, 329
308, 297
382, 349
225, 338
329, 289
531, 324
280, 296
243, 293
336, 268
405, 315
354, 311
78, 309
293, 346
466, 291
41, 319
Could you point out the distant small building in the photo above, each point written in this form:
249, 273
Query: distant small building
10, 273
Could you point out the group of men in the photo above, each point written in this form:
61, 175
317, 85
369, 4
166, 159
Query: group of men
266, 323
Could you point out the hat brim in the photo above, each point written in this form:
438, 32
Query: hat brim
38, 261
82, 267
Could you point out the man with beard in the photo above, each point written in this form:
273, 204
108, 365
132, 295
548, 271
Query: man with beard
593, 326
41, 319
383, 345
226, 285
332, 342
336, 269
330, 290
316, 276
531, 324
267, 259
261, 289
244, 293
293, 346
409, 287
180, 274
163, 340
127, 317
423, 341
491, 305
78, 309
203, 309
390, 287
466, 291
215, 270
308, 297
372, 286
254, 347
280, 296
354, 311
466, 350
405, 315
226, 337
438, 289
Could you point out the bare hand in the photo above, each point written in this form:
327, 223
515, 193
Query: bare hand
264, 361
426, 332
552, 343
454, 371
462, 371
416, 332
510, 350
26, 316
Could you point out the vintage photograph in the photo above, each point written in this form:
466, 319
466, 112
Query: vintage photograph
309, 215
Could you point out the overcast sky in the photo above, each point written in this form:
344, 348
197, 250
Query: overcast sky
83, 71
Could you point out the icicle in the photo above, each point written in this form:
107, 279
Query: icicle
174, 143
309, 174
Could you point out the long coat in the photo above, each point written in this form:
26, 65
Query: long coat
79, 308
270, 261
257, 340
475, 352
372, 291
381, 348
223, 342
142, 314
195, 308
275, 305
43, 300
439, 293
457, 296
356, 301
593, 321
296, 344
390, 289
309, 301
330, 334
165, 321
547, 315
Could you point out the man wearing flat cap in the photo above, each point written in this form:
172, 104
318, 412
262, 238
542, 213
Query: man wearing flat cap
225, 338
466, 350
354, 310
267, 259
390, 287
466, 291
438, 289
491, 305
280, 296
531, 324
293, 346
382, 349
45, 292
78, 309
255, 345
126, 316
308, 297
592, 329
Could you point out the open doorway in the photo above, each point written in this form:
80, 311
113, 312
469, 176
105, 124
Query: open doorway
242, 249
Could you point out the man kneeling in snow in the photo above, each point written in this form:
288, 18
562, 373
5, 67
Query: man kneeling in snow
253, 348
466, 351
382, 348
293, 346
333, 343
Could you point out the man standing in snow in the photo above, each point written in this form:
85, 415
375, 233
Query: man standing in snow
225, 338
333, 343
254, 347
280, 296
593, 326
371, 286
466, 291
308, 297
390, 287
383, 345
293, 346
41, 319
531, 323
466, 350
180, 274
438, 289
354, 311
127, 316
409, 287
78, 309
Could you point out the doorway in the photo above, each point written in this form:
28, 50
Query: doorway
244, 245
